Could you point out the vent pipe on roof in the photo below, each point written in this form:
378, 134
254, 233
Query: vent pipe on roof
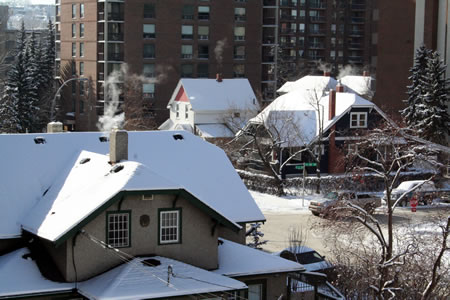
54, 127
366, 74
118, 146
219, 77
326, 73
331, 104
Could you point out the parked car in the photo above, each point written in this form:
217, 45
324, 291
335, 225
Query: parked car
425, 193
367, 201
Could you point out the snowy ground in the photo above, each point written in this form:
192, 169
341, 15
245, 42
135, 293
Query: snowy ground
286, 204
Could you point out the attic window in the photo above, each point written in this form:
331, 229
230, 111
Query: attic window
84, 160
39, 140
178, 137
116, 168
103, 139
151, 262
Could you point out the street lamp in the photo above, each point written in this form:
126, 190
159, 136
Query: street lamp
52, 113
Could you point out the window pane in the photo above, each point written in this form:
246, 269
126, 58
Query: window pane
149, 11
149, 70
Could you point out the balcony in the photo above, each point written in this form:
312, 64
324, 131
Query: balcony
115, 56
288, 17
115, 16
115, 36
101, 16
288, 3
357, 20
101, 36
318, 5
313, 31
317, 19
317, 45
269, 21
58, 36
268, 58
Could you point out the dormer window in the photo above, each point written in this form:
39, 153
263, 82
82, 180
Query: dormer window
358, 120
186, 113
177, 110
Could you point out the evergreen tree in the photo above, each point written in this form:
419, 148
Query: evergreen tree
416, 89
28, 106
433, 118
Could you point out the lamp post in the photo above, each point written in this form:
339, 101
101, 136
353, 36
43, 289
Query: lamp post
52, 113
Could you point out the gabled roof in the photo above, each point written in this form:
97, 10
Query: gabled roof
210, 95
214, 131
237, 260
20, 276
309, 83
295, 115
361, 85
135, 280
34, 173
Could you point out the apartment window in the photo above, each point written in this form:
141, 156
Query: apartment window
239, 14
149, 11
239, 52
81, 68
301, 27
186, 51
115, 52
333, 28
74, 11
203, 51
203, 32
81, 84
149, 70
358, 120
301, 41
149, 51
239, 71
169, 226
148, 90
333, 54
81, 30
149, 31
239, 33
81, 10
187, 32
187, 70
203, 70
293, 14
203, 12
81, 106
74, 49
74, 30
118, 228
81, 49
293, 27
188, 12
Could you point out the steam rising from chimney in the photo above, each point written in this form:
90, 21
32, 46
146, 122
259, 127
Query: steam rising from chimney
218, 51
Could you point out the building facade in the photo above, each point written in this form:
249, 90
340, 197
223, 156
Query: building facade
159, 42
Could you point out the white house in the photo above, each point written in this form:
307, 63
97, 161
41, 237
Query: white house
211, 108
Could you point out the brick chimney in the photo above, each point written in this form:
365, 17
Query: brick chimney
54, 127
219, 77
339, 87
331, 104
326, 73
118, 146
366, 74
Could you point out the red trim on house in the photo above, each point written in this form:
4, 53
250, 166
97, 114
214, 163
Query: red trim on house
181, 95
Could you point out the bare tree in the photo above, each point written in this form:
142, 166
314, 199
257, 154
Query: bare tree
382, 256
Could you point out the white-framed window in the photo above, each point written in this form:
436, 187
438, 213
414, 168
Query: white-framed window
186, 112
177, 111
118, 229
358, 120
169, 226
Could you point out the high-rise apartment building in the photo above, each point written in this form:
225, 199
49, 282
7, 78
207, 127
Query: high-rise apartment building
403, 27
159, 40
316, 34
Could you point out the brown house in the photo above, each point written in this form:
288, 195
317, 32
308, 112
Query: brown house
152, 219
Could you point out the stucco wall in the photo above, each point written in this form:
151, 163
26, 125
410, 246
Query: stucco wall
275, 284
198, 245
228, 234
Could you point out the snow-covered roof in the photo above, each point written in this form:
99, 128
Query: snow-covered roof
210, 95
32, 170
309, 83
73, 196
295, 115
238, 260
135, 280
169, 124
362, 85
214, 131
20, 276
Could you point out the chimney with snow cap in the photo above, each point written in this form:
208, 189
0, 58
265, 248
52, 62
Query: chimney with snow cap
366, 74
219, 77
118, 146
326, 73
331, 104
54, 127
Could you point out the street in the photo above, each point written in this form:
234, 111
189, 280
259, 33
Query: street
276, 228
